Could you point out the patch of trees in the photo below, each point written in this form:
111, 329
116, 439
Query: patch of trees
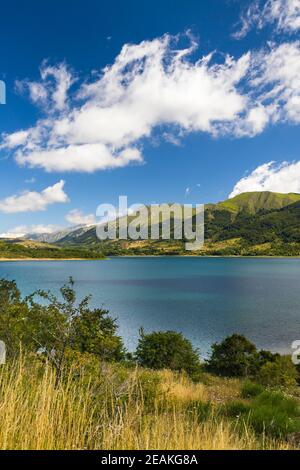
57, 328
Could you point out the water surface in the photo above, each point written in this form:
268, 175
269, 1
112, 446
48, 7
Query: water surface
204, 298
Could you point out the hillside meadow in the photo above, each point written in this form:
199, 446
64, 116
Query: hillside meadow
119, 408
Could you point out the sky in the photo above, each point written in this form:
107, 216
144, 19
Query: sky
162, 101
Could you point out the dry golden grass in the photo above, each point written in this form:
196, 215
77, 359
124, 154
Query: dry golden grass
34, 415
221, 389
180, 390
124, 409
172, 431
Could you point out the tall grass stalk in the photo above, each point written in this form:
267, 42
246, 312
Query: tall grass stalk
127, 411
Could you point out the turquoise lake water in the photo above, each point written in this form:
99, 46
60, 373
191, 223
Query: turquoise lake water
204, 298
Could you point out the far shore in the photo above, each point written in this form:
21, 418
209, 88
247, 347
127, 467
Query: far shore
50, 259
5, 260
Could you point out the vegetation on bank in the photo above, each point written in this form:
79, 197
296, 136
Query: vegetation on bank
27, 249
69, 383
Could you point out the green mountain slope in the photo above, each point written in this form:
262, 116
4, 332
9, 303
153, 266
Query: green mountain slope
257, 223
254, 202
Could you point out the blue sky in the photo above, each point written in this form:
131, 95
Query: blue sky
158, 124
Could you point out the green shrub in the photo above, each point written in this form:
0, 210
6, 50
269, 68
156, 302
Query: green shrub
202, 411
251, 389
274, 414
168, 350
233, 357
271, 413
236, 409
279, 373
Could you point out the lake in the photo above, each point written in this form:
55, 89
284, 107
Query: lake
204, 298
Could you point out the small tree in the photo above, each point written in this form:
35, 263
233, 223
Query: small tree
56, 326
233, 357
278, 373
168, 350
62, 325
13, 314
266, 356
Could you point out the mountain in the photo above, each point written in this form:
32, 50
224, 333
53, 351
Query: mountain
256, 223
253, 202
60, 235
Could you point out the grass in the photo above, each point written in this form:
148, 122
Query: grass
251, 389
101, 406
270, 413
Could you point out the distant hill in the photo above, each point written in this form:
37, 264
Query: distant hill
28, 249
57, 236
256, 223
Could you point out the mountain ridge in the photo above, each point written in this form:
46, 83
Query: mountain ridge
251, 202
254, 223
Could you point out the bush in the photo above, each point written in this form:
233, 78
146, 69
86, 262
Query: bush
13, 315
54, 326
168, 350
271, 413
275, 414
280, 373
266, 356
236, 409
234, 357
201, 410
251, 390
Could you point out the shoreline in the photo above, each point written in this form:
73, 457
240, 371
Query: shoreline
6, 260
207, 256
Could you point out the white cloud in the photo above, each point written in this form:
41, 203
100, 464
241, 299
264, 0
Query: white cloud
149, 85
22, 230
187, 191
52, 91
284, 14
156, 86
15, 139
278, 79
30, 180
76, 217
282, 178
273, 89
86, 158
32, 201
250, 18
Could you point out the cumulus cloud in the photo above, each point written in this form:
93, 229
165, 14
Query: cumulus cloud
155, 85
284, 14
22, 230
282, 178
15, 139
52, 91
278, 79
76, 217
86, 158
149, 85
32, 201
